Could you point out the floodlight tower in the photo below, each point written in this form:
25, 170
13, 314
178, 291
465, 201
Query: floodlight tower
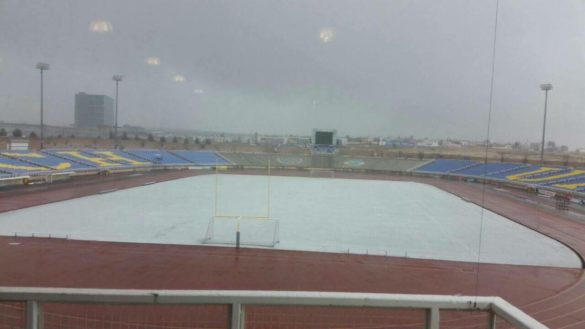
42, 67
546, 87
116, 78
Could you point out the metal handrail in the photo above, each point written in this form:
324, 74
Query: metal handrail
239, 299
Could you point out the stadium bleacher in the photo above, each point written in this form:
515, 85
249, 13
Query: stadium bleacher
158, 157
201, 157
486, 169
545, 174
330, 149
19, 162
445, 166
46, 160
558, 177
17, 167
117, 156
4, 173
58, 160
576, 179
78, 156
572, 185
520, 170
55, 160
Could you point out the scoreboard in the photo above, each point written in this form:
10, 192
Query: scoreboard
324, 137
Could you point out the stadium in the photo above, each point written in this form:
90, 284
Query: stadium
311, 164
66, 206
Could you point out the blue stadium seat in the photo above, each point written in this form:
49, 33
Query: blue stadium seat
76, 156
118, 156
515, 168
566, 180
557, 171
159, 157
445, 166
4, 174
13, 166
487, 169
577, 180
522, 169
324, 149
46, 160
202, 157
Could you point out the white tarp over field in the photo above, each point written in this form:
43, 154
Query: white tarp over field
316, 214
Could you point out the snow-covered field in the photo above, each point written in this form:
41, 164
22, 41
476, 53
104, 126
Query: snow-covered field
317, 214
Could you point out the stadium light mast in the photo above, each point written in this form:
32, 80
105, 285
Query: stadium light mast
116, 78
42, 67
546, 87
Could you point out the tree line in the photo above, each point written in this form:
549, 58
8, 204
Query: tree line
17, 133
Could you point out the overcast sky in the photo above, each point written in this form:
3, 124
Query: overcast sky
396, 67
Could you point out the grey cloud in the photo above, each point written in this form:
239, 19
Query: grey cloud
405, 67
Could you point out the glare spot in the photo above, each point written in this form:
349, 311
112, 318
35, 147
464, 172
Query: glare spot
153, 61
100, 27
326, 35
179, 78
198, 91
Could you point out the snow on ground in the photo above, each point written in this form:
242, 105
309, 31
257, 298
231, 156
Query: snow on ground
316, 214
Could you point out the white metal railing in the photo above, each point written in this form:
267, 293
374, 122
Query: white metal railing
239, 299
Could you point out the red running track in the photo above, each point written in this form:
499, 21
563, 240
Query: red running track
555, 296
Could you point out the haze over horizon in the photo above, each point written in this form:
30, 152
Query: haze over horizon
401, 67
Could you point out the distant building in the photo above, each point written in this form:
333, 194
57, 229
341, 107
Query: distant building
272, 140
93, 110
428, 143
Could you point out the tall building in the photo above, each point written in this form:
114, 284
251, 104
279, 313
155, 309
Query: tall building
93, 110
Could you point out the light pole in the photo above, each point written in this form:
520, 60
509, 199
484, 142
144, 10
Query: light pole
546, 87
116, 78
42, 67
